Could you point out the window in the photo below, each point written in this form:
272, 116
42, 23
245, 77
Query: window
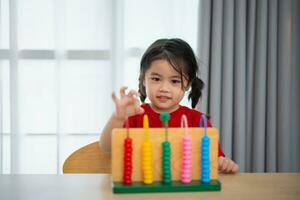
59, 62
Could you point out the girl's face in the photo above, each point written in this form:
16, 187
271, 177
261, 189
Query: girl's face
164, 86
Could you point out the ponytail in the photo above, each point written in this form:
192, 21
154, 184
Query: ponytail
196, 91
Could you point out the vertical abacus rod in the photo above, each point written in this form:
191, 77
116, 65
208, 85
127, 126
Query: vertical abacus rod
203, 119
127, 157
127, 127
165, 117
205, 153
166, 150
186, 153
147, 154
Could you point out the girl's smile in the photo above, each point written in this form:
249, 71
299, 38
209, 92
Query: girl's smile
163, 99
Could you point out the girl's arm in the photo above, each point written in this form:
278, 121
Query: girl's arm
127, 105
105, 138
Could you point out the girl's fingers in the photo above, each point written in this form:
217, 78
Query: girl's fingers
114, 97
220, 163
133, 93
128, 103
225, 164
120, 102
235, 168
122, 91
229, 166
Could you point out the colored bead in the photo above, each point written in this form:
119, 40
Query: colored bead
127, 161
147, 162
205, 162
166, 162
186, 159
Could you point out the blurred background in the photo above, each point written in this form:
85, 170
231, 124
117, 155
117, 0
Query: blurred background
61, 59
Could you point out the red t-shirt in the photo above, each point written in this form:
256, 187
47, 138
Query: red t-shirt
192, 115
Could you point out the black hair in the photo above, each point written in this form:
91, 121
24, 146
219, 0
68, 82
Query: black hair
181, 57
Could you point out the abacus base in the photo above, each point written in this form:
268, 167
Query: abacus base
175, 186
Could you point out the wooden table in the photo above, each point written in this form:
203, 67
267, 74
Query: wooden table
89, 187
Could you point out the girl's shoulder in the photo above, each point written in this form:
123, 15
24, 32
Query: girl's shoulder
187, 110
193, 116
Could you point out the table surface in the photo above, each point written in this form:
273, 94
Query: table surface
98, 186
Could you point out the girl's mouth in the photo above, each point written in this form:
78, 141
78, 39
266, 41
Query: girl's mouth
163, 99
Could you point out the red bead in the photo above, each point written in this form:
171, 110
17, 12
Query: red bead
128, 150
127, 182
127, 176
126, 165
127, 144
128, 154
127, 161
128, 170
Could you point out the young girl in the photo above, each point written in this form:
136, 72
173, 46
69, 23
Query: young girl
168, 69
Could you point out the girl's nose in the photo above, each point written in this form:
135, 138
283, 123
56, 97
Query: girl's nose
164, 87
163, 90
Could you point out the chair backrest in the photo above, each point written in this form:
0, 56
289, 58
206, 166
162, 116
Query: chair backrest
88, 159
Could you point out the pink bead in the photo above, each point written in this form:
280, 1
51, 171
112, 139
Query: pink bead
187, 141
187, 162
185, 180
186, 168
185, 176
187, 148
187, 152
189, 156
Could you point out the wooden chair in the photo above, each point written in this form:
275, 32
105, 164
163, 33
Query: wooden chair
88, 159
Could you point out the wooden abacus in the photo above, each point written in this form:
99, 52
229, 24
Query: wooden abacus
156, 137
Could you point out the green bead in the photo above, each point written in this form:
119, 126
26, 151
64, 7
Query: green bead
166, 155
166, 144
166, 161
167, 180
166, 148
164, 117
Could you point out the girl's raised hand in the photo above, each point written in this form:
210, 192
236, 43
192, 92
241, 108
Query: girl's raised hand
127, 105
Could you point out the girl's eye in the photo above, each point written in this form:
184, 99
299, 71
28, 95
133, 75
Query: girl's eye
175, 81
155, 78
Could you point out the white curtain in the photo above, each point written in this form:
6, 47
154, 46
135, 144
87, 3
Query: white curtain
59, 62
